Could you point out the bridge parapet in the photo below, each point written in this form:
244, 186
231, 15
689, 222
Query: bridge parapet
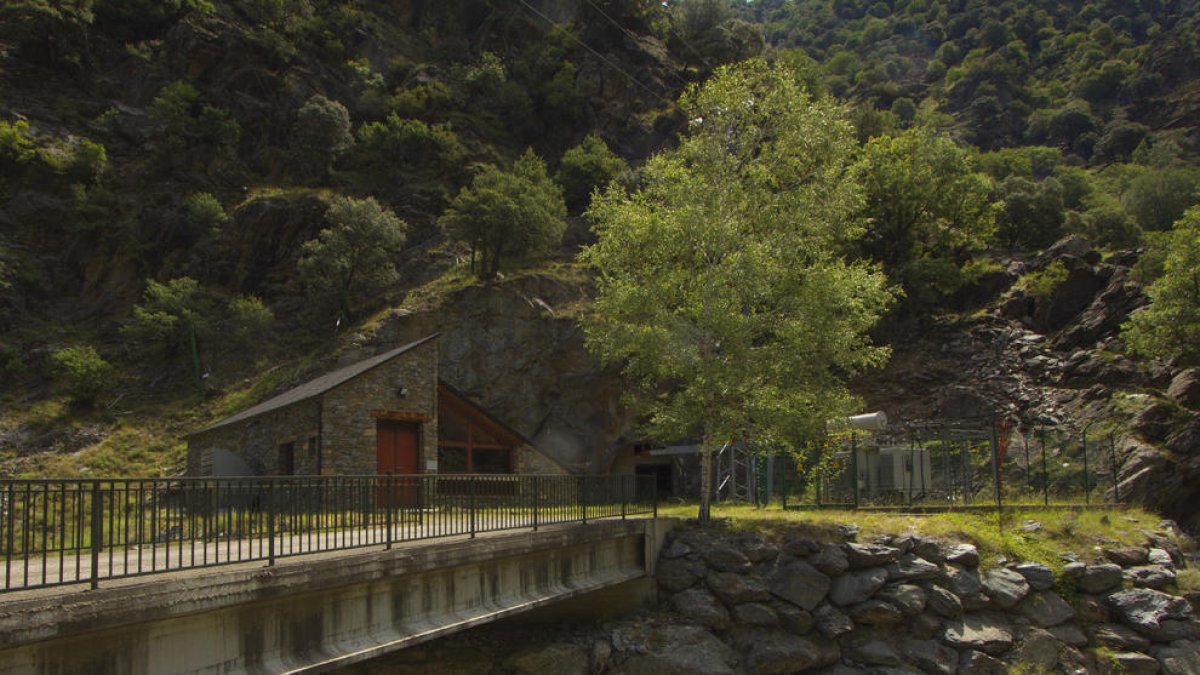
318, 612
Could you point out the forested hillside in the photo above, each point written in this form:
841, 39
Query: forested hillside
200, 199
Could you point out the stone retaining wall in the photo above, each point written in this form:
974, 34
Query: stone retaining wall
745, 603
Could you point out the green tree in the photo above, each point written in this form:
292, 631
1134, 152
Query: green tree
722, 291
585, 167
927, 210
248, 320
353, 260
320, 135
82, 371
1170, 326
54, 32
204, 211
173, 314
508, 213
1158, 197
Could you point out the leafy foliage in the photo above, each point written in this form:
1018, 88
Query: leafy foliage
320, 135
83, 372
171, 313
586, 167
508, 213
721, 291
1170, 326
351, 262
927, 211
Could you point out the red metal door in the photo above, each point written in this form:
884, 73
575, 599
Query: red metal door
396, 453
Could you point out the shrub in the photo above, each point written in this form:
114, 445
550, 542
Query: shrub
204, 211
585, 167
320, 135
1042, 283
83, 372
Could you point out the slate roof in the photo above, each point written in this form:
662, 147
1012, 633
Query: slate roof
319, 386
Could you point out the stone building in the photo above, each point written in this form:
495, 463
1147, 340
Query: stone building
386, 414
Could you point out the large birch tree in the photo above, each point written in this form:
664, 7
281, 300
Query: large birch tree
724, 290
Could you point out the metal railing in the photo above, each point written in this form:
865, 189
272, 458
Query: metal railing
55, 532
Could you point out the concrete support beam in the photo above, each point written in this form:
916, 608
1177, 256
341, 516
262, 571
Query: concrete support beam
317, 613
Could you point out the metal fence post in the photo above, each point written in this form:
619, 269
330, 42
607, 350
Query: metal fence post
624, 492
537, 497
654, 497
1045, 472
387, 507
97, 532
472, 506
583, 498
854, 467
270, 523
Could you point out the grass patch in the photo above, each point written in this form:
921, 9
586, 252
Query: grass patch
1083, 533
1188, 580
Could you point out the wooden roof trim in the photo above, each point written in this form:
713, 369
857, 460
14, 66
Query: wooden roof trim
475, 413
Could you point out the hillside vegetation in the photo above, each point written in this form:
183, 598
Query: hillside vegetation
200, 199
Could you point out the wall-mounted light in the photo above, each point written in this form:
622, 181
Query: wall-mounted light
401, 391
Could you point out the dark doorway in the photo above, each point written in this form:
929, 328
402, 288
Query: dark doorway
287, 459
664, 483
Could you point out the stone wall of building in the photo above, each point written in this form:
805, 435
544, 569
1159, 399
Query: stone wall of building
257, 441
530, 461
351, 409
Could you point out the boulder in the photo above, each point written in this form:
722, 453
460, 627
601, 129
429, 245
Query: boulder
929, 550
1005, 587
1127, 663
556, 658
800, 584
1120, 296
871, 651
1185, 389
800, 546
726, 558
1181, 658
734, 588
791, 617
760, 551
1127, 556
698, 606
931, 656
966, 585
1046, 609
855, 587
869, 555
1072, 571
681, 650
1161, 557
924, 626
985, 632
1158, 616
677, 549
774, 651
755, 614
909, 599
832, 622
1154, 421
1118, 637
1099, 578
875, 612
831, 560
1038, 649
911, 567
1069, 633
678, 574
971, 662
1038, 576
943, 603
1157, 577
1092, 609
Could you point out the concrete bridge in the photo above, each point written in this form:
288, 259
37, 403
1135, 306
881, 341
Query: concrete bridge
318, 612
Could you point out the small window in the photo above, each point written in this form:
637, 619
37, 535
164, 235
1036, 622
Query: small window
452, 460
487, 460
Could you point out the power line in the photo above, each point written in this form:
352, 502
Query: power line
597, 54
630, 35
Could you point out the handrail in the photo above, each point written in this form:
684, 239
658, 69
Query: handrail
65, 531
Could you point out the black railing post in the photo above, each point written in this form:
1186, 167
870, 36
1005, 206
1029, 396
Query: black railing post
472, 505
623, 489
1087, 489
537, 498
1045, 471
583, 498
270, 522
854, 467
97, 532
387, 507
654, 497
